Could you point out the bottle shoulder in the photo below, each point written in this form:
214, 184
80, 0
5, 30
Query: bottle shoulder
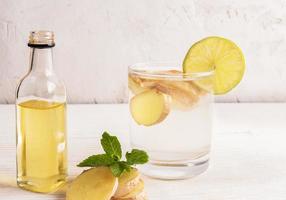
39, 86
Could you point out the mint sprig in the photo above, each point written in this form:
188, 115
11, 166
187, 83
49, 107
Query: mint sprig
113, 155
111, 146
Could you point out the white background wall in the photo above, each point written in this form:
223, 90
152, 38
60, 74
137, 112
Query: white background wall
98, 39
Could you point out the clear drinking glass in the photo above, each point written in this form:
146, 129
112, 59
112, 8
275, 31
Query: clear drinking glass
171, 118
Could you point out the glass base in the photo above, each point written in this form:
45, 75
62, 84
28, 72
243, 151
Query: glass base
175, 170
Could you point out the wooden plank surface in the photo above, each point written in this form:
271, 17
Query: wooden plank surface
248, 160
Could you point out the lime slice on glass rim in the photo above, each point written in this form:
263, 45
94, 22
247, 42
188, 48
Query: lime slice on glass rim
218, 54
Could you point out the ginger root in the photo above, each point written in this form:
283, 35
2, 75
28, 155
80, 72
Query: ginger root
93, 184
99, 184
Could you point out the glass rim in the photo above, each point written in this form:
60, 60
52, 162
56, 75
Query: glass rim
141, 70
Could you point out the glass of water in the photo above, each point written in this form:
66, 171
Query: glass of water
171, 118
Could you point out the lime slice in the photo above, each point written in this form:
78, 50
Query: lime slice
218, 54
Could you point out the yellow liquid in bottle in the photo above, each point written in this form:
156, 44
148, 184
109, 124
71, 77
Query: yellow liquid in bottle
41, 145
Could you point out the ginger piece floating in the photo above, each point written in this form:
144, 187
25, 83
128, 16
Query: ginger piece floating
134, 86
185, 93
150, 107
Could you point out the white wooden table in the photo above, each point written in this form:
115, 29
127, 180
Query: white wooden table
248, 155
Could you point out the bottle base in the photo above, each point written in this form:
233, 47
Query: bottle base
41, 185
175, 170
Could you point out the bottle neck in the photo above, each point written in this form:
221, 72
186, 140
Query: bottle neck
41, 61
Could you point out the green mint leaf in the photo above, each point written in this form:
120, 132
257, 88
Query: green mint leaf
96, 161
136, 157
111, 146
117, 169
125, 165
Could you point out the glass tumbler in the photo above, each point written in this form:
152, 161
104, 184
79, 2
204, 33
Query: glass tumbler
171, 118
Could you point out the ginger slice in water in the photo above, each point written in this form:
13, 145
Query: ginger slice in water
184, 93
94, 184
149, 107
138, 84
134, 85
127, 182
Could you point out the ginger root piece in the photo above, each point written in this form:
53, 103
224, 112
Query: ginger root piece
94, 184
134, 86
150, 107
141, 196
143, 83
127, 182
136, 191
184, 94
136, 194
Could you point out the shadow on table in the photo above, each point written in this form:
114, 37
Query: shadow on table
7, 182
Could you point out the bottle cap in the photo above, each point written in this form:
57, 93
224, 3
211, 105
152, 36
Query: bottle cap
41, 39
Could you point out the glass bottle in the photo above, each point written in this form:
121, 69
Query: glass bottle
41, 120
